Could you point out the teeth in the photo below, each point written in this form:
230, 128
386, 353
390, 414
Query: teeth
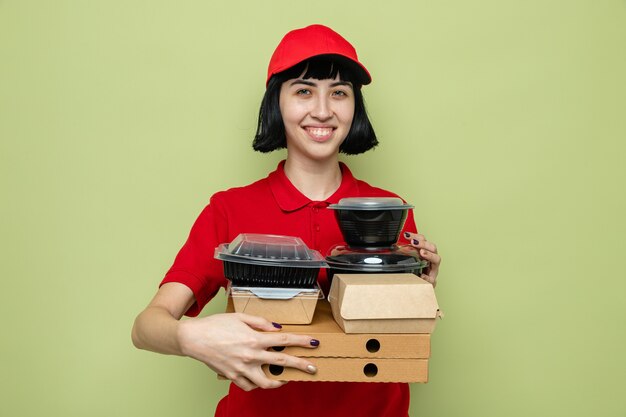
320, 131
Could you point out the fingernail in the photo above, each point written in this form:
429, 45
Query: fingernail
416, 242
407, 235
278, 326
315, 342
312, 369
423, 252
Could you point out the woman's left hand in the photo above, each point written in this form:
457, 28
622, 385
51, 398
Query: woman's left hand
428, 251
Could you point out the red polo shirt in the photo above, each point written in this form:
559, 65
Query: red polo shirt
273, 205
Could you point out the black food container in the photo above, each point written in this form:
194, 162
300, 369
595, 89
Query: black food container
371, 222
260, 260
394, 260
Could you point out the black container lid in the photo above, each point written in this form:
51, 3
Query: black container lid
370, 203
270, 250
393, 259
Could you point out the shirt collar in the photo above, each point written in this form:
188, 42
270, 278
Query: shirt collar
289, 198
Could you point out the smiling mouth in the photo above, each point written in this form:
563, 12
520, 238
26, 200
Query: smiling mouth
319, 133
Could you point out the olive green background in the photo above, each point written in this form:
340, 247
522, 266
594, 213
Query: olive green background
502, 121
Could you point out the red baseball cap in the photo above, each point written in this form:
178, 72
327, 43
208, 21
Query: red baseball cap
315, 40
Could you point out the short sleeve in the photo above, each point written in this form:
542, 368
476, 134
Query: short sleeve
195, 265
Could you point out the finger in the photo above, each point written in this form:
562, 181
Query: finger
258, 378
419, 241
411, 235
432, 270
287, 339
430, 279
259, 323
433, 258
251, 376
288, 361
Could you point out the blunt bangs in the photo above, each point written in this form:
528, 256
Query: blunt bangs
321, 68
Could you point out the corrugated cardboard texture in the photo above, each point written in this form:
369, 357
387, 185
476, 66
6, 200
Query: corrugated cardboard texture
383, 303
335, 343
356, 370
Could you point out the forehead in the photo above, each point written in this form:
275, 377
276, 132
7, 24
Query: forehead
320, 68
315, 82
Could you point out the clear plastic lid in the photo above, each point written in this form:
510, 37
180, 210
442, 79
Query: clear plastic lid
393, 259
273, 250
370, 203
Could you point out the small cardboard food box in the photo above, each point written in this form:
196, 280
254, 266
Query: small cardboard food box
280, 305
383, 303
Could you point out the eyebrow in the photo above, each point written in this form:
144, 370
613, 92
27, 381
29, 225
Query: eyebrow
312, 84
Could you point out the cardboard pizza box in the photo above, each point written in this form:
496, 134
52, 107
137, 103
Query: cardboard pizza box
355, 370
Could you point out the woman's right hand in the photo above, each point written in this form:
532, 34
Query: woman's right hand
235, 346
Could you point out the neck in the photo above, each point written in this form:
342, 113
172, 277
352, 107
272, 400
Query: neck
317, 180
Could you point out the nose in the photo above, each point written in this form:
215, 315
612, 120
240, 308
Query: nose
322, 108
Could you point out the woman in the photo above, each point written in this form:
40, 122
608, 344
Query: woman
313, 107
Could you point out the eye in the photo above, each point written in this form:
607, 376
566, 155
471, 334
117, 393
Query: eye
340, 93
303, 92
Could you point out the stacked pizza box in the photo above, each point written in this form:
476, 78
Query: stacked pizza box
373, 328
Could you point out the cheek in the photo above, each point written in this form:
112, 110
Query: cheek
348, 115
291, 113
349, 109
